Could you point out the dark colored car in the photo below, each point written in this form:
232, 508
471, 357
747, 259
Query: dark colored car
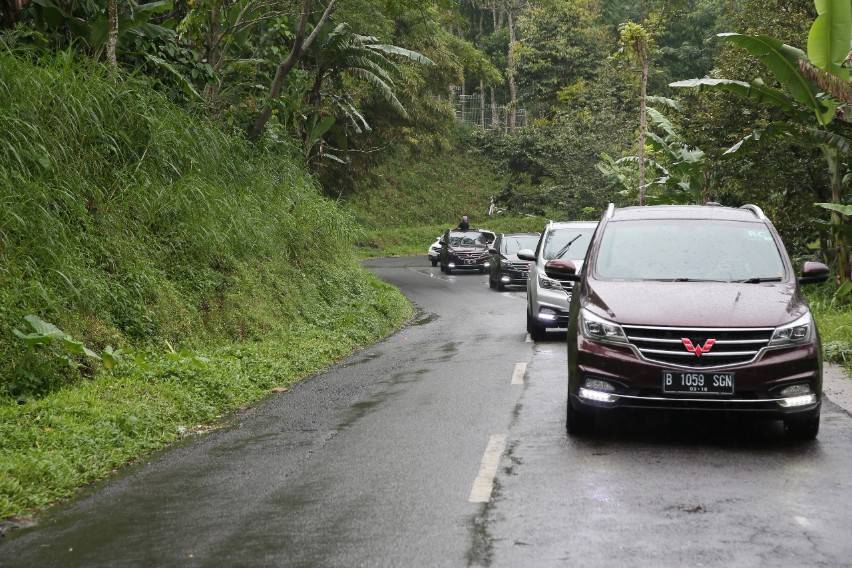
692, 308
506, 268
466, 250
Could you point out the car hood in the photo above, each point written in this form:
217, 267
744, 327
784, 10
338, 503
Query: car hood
695, 304
468, 249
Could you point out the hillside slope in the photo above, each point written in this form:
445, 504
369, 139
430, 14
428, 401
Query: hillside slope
198, 270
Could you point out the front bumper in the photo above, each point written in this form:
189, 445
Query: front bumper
638, 382
468, 264
513, 277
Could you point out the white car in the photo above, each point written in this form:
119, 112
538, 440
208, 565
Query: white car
549, 300
434, 253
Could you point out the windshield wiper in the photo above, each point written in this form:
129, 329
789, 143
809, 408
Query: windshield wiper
757, 280
564, 249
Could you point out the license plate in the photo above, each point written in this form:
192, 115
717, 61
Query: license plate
690, 382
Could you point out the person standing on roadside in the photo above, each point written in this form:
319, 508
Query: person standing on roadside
464, 225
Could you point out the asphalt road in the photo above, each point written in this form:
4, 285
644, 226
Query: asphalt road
439, 447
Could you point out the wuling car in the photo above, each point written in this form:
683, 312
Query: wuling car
692, 308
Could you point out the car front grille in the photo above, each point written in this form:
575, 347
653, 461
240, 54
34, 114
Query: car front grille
470, 255
730, 346
518, 266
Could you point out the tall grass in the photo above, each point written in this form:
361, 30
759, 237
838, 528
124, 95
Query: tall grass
126, 220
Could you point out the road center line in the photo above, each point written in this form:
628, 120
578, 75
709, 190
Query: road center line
519, 373
483, 485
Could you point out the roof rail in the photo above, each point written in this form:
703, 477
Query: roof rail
610, 211
758, 212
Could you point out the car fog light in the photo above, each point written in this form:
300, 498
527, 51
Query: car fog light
452, 265
794, 401
596, 396
796, 390
547, 315
599, 385
506, 279
487, 264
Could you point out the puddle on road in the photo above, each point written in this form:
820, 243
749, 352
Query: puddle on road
424, 318
362, 408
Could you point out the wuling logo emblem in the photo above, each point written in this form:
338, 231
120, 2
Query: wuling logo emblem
699, 350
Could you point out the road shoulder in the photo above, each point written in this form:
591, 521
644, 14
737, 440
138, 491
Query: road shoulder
837, 386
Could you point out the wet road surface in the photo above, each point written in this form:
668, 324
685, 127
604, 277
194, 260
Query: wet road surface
445, 446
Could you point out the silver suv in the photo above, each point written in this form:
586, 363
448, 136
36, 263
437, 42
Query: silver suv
548, 300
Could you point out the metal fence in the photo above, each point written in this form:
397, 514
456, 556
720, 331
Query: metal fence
475, 111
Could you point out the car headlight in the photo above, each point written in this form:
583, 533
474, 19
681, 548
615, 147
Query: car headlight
798, 331
549, 283
599, 329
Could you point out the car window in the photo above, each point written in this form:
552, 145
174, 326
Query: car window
468, 239
558, 239
513, 243
688, 249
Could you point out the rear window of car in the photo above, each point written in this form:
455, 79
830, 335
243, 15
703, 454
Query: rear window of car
688, 249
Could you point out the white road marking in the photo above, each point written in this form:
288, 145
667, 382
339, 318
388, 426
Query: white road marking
803, 521
528, 339
518, 374
483, 485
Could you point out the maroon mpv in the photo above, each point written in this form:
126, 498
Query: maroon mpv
691, 308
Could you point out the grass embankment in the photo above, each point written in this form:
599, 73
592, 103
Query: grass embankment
215, 268
409, 200
834, 319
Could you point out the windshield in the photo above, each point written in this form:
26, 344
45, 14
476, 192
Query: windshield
468, 239
558, 239
513, 243
688, 250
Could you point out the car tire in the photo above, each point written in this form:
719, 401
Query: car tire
434, 263
578, 422
804, 428
536, 330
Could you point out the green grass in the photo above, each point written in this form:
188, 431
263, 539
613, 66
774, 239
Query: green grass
215, 265
79, 433
834, 320
415, 190
404, 241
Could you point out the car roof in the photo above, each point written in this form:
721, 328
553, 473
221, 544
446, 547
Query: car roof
710, 212
530, 234
573, 224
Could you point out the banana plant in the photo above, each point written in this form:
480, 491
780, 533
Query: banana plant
811, 107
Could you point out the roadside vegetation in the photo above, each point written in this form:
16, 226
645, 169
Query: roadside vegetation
175, 273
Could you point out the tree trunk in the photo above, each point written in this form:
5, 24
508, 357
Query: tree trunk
643, 129
300, 46
112, 33
510, 64
841, 249
495, 113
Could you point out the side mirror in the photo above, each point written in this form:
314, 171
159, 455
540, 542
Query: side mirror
562, 270
493, 250
814, 273
527, 254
